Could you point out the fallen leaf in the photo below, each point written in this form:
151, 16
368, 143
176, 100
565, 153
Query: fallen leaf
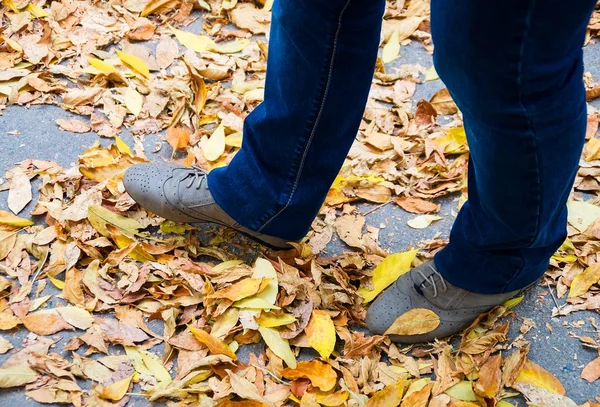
414, 322
490, 378
320, 374
197, 43
99, 217
133, 101
214, 344
19, 194
416, 205
582, 214
167, 51
585, 280
541, 397
391, 50
349, 229
215, 146
321, 333
390, 396
443, 103
388, 271
178, 137
5, 346
115, 391
12, 221
242, 289
422, 221
134, 63
156, 6
536, 376
78, 317
45, 322
591, 372
17, 375
74, 126
418, 398
271, 320
278, 345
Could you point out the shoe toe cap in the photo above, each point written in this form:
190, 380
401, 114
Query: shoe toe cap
386, 308
145, 183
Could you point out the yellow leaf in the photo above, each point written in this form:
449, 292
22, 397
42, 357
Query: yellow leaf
229, 47
431, 74
36, 11
462, 391
278, 345
156, 367
135, 355
455, 142
215, 146
17, 375
592, 149
122, 146
225, 323
414, 322
78, 317
271, 320
10, 4
321, 333
332, 399
115, 391
320, 374
392, 48
422, 221
582, 214
585, 280
536, 376
214, 344
234, 139
389, 396
134, 63
99, 217
197, 43
8, 219
262, 269
133, 101
387, 272
100, 65
158, 5
513, 302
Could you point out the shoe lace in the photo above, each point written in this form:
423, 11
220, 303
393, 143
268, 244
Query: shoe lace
195, 175
431, 280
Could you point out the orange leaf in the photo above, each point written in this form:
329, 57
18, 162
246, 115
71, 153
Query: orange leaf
321, 333
241, 289
214, 344
46, 322
178, 137
320, 374
418, 398
490, 377
414, 322
390, 396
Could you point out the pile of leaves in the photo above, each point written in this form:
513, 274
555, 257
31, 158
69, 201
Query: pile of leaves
157, 310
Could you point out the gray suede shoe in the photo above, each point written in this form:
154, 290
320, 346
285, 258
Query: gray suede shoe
424, 287
181, 194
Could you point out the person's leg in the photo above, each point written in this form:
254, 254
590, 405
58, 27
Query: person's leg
514, 68
321, 62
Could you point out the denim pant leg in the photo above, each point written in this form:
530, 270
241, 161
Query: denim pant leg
514, 68
321, 62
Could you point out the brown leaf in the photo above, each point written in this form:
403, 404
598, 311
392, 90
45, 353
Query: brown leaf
414, 322
19, 194
416, 205
512, 366
166, 52
121, 333
375, 193
349, 229
443, 103
418, 398
46, 322
246, 15
142, 32
591, 372
490, 376
74, 125
425, 115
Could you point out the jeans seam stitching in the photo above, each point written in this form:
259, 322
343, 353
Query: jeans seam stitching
530, 123
316, 123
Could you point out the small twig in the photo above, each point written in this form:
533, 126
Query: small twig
553, 297
378, 207
41, 266
262, 369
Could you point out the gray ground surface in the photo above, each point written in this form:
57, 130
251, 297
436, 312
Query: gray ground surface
39, 137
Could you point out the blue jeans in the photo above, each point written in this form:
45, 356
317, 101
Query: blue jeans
514, 68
